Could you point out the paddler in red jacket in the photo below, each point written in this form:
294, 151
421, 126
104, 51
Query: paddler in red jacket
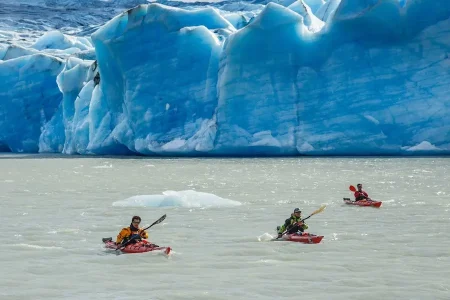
133, 229
360, 194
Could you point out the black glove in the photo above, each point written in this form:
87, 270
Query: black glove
280, 235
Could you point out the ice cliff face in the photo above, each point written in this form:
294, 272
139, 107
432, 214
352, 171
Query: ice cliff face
29, 99
307, 77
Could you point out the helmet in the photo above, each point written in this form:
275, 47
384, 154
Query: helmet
297, 210
136, 218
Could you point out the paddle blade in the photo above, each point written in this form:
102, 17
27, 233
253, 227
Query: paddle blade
315, 212
352, 188
319, 210
156, 222
160, 220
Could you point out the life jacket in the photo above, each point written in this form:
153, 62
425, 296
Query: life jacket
360, 195
125, 233
131, 232
294, 219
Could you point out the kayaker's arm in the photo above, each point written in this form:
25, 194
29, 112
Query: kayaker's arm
143, 234
304, 226
301, 225
286, 225
125, 232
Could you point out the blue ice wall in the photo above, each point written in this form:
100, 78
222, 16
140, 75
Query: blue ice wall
312, 77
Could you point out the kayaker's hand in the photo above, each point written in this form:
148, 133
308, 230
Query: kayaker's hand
300, 223
134, 236
142, 233
280, 235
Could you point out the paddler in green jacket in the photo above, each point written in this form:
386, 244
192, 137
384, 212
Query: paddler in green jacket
293, 224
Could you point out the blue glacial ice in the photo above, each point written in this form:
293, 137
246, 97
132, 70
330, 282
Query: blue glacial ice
309, 77
186, 199
29, 99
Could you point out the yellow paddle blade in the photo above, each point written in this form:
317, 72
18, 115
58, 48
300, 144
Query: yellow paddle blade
319, 210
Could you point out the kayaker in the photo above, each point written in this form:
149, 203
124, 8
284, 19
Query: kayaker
133, 229
360, 194
293, 224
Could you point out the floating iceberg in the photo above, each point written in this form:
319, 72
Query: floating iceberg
186, 199
306, 77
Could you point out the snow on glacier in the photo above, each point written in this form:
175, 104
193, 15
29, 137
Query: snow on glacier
14, 51
309, 19
57, 40
314, 5
294, 77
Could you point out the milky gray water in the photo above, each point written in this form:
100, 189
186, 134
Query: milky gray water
54, 211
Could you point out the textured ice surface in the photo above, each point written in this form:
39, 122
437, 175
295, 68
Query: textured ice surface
232, 78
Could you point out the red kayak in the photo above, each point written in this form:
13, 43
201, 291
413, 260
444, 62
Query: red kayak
138, 247
304, 237
363, 202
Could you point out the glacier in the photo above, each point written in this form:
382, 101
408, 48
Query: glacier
248, 78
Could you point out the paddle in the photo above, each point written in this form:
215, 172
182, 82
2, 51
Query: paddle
154, 223
314, 213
